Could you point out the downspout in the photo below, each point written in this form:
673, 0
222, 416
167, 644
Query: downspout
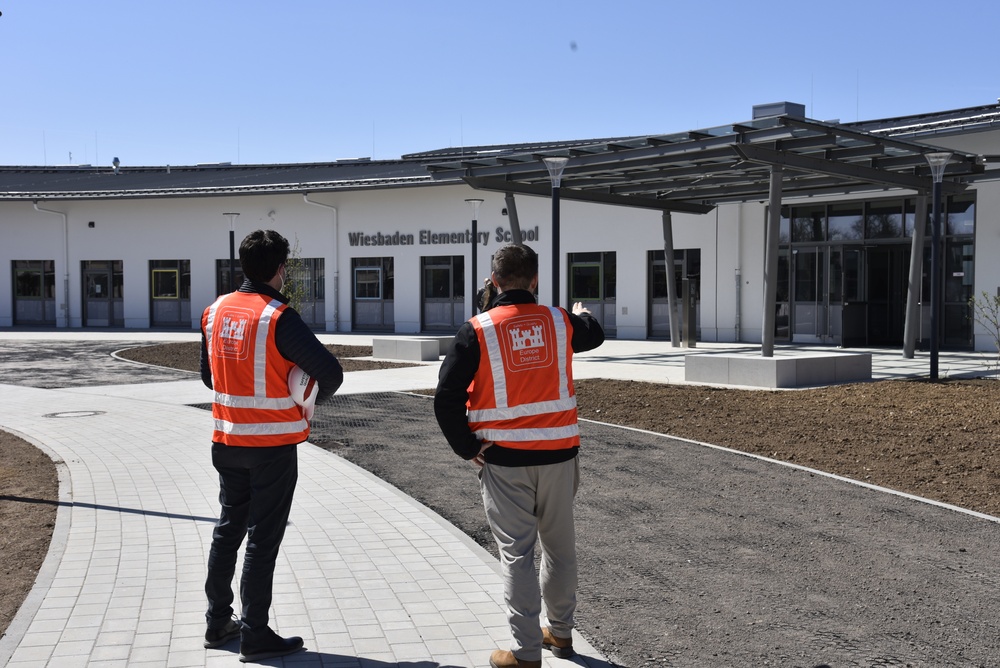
336, 264
65, 219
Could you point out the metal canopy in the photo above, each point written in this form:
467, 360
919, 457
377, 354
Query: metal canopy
768, 159
692, 172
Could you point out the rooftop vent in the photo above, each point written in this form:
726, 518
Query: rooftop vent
779, 109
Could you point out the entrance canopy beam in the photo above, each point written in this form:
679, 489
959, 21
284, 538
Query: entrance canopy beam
501, 185
848, 171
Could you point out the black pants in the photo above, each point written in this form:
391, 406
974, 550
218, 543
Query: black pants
255, 490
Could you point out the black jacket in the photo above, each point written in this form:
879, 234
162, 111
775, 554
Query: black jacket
296, 343
459, 368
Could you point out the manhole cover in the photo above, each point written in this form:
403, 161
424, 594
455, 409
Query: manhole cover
73, 414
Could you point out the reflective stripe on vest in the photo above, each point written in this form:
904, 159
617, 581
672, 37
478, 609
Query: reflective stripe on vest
260, 429
243, 411
547, 424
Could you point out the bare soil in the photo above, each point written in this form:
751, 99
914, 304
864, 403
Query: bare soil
937, 440
29, 492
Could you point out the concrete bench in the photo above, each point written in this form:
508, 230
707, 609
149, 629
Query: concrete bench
410, 348
784, 370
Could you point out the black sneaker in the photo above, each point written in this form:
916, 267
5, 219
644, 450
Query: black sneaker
266, 644
222, 635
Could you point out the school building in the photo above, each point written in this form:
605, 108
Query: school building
775, 229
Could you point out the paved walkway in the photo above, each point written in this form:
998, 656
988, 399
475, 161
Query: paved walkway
366, 576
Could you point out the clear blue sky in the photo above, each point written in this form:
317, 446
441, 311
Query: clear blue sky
192, 81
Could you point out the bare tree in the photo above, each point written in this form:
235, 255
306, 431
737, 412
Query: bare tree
986, 311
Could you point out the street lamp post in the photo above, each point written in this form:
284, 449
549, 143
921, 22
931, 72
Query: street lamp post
475, 202
555, 165
232, 250
937, 162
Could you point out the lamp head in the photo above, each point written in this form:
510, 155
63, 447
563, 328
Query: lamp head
555, 165
475, 202
938, 161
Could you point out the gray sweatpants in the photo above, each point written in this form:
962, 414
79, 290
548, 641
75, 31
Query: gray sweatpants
525, 505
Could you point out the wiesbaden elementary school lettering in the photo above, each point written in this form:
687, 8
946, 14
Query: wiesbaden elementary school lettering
430, 238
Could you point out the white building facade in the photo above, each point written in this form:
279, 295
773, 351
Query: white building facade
385, 248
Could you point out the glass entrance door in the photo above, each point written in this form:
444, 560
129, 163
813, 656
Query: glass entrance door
593, 281
853, 298
103, 305
34, 292
888, 275
443, 288
171, 293
373, 300
687, 266
811, 295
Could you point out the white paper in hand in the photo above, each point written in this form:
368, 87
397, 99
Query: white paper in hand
303, 389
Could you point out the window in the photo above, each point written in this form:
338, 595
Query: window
909, 217
658, 289
28, 283
808, 223
443, 276
784, 226
368, 283
593, 276
836, 276
585, 282
222, 277
103, 279
961, 215
316, 268
687, 264
884, 220
610, 275
34, 279
958, 262
165, 284
307, 273
374, 277
170, 279
805, 275
847, 221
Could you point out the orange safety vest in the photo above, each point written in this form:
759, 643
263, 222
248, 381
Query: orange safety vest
522, 394
252, 406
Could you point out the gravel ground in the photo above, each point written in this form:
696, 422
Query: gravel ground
694, 556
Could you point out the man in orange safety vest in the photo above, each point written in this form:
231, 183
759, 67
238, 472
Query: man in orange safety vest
505, 401
251, 341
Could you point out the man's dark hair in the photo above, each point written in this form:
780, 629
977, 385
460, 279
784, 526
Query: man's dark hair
515, 266
261, 253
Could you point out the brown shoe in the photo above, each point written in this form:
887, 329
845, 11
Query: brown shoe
504, 658
561, 647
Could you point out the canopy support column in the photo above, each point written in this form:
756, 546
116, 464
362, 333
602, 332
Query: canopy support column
668, 256
515, 226
911, 325
771, 263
